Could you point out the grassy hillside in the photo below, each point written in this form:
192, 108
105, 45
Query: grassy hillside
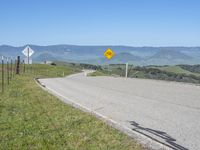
97, 73
176, 69
30, 118
169, 73
193, 68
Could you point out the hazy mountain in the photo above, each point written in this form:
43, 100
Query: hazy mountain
170, 55
119, 58
45, 56
94, 54
124, 57
7, 50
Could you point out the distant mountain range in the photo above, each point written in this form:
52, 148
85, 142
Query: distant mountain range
123, 54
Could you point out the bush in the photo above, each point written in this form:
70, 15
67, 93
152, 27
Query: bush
53, 64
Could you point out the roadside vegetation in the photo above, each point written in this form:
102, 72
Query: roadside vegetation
191, 68
179, 73
31, 118
98, 73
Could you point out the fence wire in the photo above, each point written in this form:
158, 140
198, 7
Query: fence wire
7, 71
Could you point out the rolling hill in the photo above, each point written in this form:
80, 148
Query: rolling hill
94, 54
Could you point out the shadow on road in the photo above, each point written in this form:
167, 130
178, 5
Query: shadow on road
169, 141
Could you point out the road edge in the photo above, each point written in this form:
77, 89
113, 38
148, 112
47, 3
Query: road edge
145, 141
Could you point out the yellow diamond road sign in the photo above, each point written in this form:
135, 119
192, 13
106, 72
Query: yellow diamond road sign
109, 54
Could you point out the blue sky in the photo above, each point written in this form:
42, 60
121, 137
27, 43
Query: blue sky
100, 22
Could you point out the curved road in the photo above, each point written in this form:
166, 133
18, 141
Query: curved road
167, 112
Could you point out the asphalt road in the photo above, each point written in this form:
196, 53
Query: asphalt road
167, 112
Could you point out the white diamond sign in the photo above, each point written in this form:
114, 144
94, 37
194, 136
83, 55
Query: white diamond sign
28, 51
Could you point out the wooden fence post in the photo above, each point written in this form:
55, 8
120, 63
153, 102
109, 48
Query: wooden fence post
18, 65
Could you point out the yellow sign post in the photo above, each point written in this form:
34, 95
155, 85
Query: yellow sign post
109, 53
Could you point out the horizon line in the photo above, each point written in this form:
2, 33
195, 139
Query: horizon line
107, 45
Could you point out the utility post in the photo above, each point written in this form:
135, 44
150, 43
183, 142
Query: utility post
2, 61
126, 69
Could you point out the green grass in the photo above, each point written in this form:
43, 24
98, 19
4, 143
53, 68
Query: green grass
5, 77
31, 118
138, 74
168, 73
97, 73
175, 69
41, 70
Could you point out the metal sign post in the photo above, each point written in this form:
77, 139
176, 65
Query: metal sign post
11, 69
28, 55
28, 52
109, 53
126, 70
24, 66
8, 76
15, 66
2, 61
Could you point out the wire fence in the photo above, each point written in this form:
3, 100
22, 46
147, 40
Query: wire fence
12, 66
7, 71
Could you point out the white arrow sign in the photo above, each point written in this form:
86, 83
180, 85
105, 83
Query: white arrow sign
28, 52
